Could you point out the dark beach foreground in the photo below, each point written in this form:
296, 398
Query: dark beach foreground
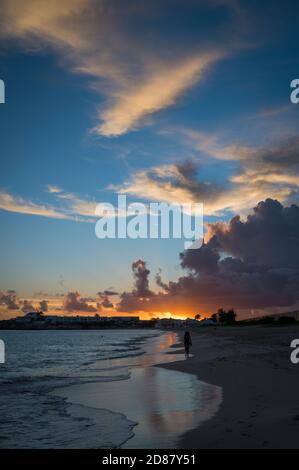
260, 386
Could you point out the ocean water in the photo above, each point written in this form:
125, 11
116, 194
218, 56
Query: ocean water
96, 389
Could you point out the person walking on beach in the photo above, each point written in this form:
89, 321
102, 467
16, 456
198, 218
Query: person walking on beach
187, 343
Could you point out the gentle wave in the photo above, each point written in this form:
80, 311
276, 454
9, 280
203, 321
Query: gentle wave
40, 363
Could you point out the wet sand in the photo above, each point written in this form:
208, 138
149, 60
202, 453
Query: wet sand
162, 403
260, 386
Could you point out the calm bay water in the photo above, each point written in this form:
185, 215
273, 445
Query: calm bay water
96, 389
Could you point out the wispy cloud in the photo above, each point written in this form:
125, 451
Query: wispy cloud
159, 89
17, 204
212, 145
53, 189
262, 172
274, 111
77, 205
137, 77
66, 206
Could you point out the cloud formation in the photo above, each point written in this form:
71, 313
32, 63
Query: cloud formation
9, 299
173, 183
44, 306
138, 74
260, 173
107, 292
269, 236
106, 302
66, 206
141, 293
246, 264
11, 203
27, 306
73, 302
159, 90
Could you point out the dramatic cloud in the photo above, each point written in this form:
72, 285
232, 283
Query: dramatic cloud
44, 305
27, 306
269, 167
250, 264
106, 303
9, 299
259, 173
269, 236
175, 183
141, 273
141, 292
138, 73
73, 302
107, 292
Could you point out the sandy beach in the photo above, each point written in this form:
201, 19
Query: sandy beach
162, 404
260, 407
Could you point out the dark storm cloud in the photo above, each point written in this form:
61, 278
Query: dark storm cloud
245, 264
141, 293
106, 303
263, 266
9, 299
107, 292
159, 281
44, 306
73, 302
206, 259
141, 273
27, 306
270, 236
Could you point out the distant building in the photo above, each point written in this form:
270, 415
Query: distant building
124, 319
170, 323
173, 323
191, 322
30, 317
208, 322
75, 319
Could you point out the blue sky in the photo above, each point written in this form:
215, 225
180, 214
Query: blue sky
98, 95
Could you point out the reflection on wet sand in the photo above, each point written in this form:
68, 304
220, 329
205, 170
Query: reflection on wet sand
164, 403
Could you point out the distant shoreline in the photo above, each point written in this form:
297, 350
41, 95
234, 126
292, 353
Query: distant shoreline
72, 327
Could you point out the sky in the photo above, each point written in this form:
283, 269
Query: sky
169, 101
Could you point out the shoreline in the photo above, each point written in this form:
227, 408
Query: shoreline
260, 407
162, 403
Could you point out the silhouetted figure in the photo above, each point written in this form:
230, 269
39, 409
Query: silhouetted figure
187, 343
